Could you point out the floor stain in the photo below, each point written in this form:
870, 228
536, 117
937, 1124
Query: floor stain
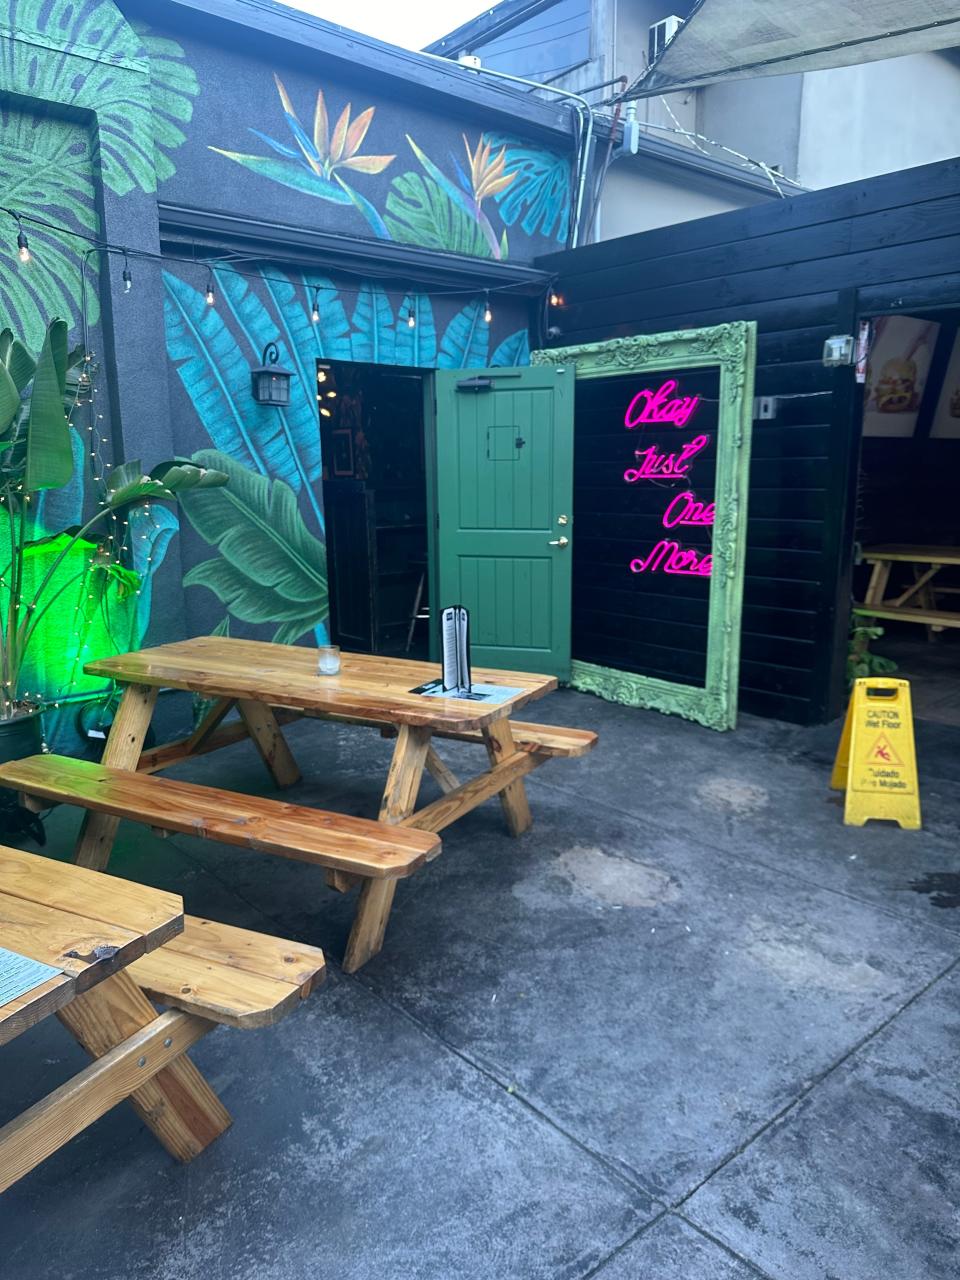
734, 796
612, 879
942, 886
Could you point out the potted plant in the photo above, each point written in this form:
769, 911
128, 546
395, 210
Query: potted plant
36, 455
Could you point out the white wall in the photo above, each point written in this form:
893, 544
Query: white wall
633, 201
877, 118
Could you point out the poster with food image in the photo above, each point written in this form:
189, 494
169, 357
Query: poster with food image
900, 354
946, 420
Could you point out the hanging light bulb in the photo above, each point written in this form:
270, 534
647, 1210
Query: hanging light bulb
127, 277
315, 313
210, 295
555, 299
411, 319
23, 244
487, 313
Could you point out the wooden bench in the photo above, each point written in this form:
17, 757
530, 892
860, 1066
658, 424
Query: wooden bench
87, 925
351, 850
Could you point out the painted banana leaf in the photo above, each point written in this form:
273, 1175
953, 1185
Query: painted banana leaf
289, 173
466, 341
270, 567
417, 346
151, 532
63, 508
513, 350
215, 372
419, 211
374, 336
540, 195
328, 338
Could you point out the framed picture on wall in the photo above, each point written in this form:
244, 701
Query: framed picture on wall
661, 457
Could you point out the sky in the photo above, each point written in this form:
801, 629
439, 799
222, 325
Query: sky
411, 23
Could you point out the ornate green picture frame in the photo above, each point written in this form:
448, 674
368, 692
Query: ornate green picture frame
731, 348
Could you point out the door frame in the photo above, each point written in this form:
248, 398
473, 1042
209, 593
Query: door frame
732, 348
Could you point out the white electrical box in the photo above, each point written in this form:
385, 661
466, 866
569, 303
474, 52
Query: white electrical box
838, 350
660, 35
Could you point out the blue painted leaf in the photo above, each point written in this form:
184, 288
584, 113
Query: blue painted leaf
298, 131
214, 371
540, 194
366, 208
288, 439
466, 340
417, 346
374, 337
151, 531
289, 173
513, 350
279, 147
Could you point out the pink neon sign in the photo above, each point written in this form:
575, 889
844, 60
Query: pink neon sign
685, 509
658, 406
672, 558
655, 465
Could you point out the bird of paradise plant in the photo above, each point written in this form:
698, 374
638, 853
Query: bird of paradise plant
319, 160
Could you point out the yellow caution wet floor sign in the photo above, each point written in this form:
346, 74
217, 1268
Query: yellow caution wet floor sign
876, 762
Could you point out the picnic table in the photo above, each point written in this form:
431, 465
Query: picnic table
110, 944
918, 602
270, 685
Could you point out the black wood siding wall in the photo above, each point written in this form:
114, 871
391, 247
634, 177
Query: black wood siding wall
804, 268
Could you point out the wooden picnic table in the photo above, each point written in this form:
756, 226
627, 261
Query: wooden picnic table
90, 927
271, 684
926, 564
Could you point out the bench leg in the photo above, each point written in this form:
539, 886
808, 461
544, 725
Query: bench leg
370, 923
177, 1105
122, 751
269, 740
513, 797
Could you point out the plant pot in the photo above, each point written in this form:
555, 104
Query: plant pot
21, 735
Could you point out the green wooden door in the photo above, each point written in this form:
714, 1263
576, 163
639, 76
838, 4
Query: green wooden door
504, 487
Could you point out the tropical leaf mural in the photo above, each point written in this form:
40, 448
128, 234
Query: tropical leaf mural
513, 350
270, 569
317, 160
466, 341
539, 195
417, 344
419, 211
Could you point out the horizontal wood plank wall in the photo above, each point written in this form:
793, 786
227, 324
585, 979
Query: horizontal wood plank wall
802, 268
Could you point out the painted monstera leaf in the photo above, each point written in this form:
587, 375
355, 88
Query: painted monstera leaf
539, 196
270, 569
513, 350
419, 211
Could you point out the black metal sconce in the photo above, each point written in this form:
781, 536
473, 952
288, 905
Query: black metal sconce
270, 381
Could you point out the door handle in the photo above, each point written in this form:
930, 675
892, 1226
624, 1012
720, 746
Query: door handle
559, 542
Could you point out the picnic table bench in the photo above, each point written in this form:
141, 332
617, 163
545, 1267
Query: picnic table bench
918, 601
271, 685
113, 944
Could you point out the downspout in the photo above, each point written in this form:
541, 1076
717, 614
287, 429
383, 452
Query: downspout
585, 113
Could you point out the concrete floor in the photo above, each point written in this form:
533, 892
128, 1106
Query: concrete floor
689, 1028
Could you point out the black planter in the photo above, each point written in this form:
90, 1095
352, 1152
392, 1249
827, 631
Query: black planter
21, 736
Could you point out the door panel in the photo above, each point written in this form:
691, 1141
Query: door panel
504, 449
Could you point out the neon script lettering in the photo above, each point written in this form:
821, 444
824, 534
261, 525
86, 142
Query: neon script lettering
685, 509
655, 465
660, 406
669, 557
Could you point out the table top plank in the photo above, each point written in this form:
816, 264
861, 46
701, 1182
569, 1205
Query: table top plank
913, 555
286, 676
49, 909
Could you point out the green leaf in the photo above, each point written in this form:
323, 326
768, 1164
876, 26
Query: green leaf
271, 568
16, 359
49, 453
9, 401
129, 483
419, 211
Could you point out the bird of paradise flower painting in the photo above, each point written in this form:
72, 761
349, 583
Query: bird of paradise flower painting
528, 185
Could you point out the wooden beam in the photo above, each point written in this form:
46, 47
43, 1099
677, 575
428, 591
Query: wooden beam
98, 830
370, 923
406, 771
451, 807
123, 1070
444, 777
177, 1104
513, 798
269, 741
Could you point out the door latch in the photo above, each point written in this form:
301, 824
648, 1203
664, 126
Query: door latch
559, 542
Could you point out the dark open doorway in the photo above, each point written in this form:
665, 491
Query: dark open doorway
375, 504
908, 518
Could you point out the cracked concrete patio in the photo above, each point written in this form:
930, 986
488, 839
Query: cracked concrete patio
690, 1027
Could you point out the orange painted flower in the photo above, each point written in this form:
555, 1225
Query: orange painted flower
486, 174
326, 152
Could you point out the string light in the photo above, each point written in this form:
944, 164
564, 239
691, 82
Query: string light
23, 244
411, 319
210, 295
315, 313
127, 276
555, 299
487, 313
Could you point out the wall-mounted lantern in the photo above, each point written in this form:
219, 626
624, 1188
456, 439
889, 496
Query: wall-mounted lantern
270, 381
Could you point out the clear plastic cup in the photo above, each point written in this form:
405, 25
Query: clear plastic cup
328, 660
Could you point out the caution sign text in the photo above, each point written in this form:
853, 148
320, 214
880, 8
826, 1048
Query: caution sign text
876, 763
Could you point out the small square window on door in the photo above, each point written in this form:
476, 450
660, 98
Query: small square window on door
504, 444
